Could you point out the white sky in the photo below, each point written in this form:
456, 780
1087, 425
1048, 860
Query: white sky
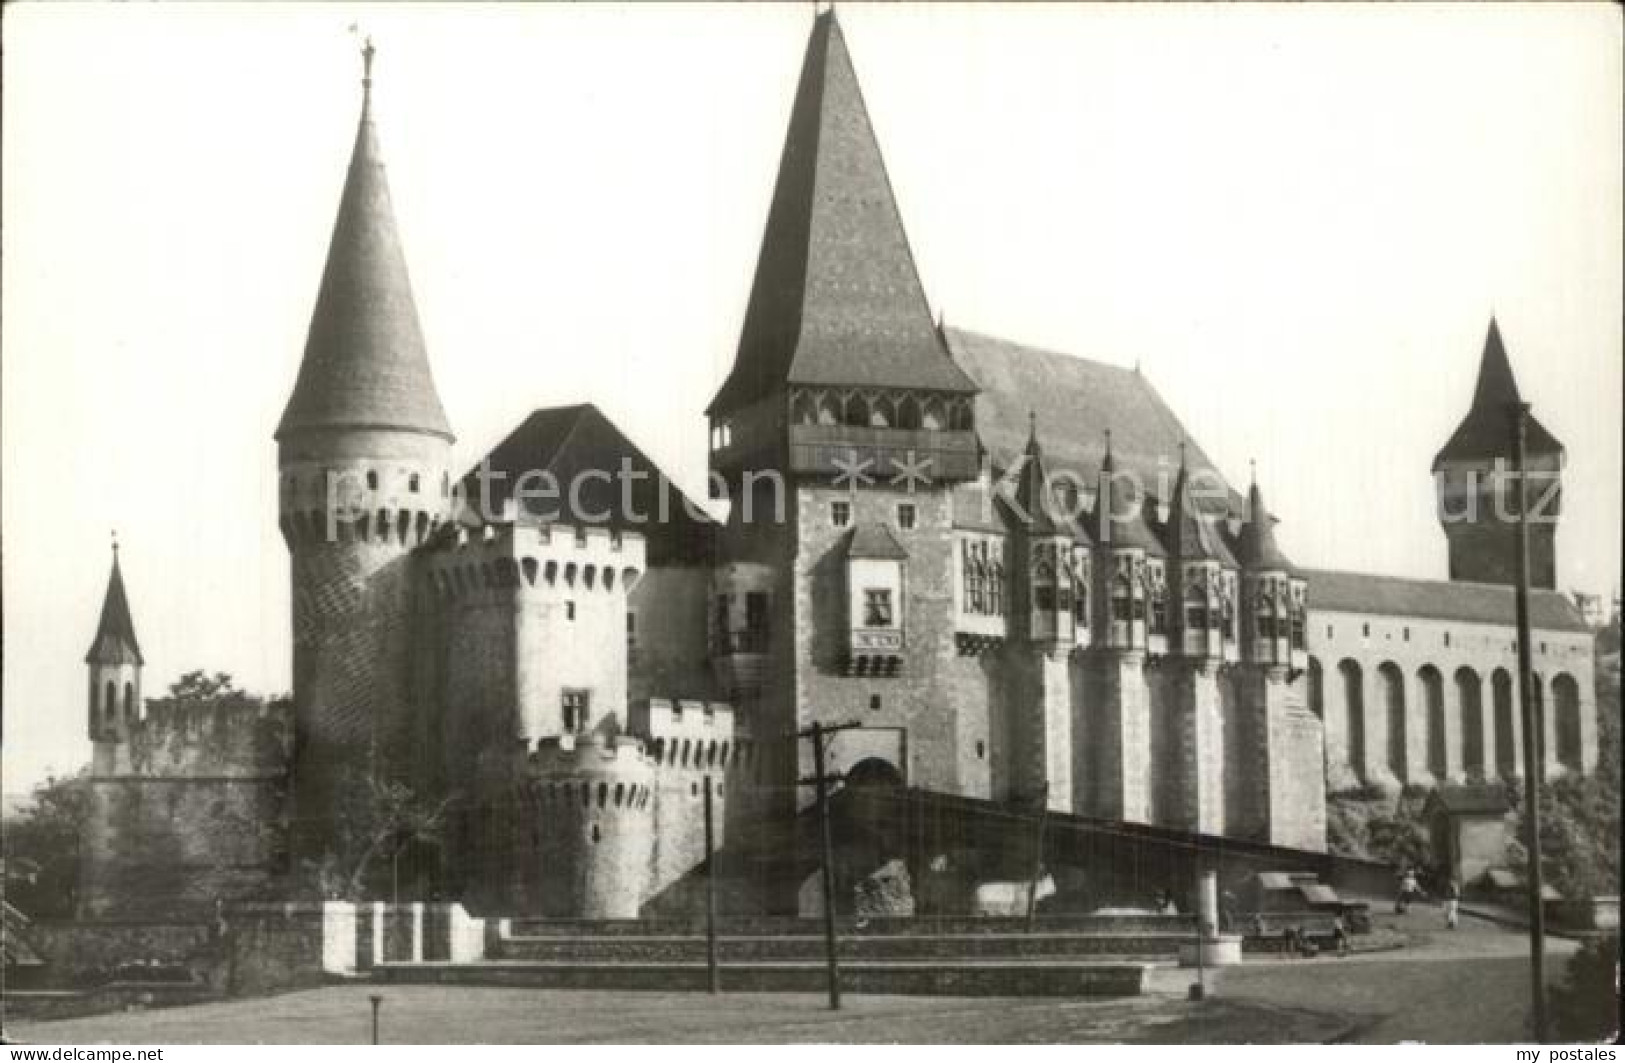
1298, 219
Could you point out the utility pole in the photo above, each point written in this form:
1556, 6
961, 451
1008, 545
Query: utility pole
1533, 732
819, 733
1038, 858
713, 979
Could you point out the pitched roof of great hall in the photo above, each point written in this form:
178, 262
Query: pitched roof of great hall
1078, 401
837, 298
1481, 603
365, 364
595, 476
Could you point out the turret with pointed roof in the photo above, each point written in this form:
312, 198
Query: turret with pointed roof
837, 298
365, 363
115, 641
1476, 492
1484, 433
113, 664
363, 452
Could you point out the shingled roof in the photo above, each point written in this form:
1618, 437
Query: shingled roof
1255, 544
1078, 401
837, 297
578, 445
1484, 434
1483, 603
365, 364
115, 634
875, 542
1188, 534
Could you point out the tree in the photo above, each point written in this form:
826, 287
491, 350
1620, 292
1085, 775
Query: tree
1585, 1007
377, 819
46, 838
198, 685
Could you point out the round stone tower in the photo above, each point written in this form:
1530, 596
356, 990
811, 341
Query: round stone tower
363, 452
593, 800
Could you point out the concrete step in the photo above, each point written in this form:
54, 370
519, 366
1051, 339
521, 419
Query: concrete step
681, 948
1070, 978
884, 926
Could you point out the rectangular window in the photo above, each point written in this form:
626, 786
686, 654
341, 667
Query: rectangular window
569, 610
575, 704
1159, 616
755, 640
905, 516
840, 514
1120, 609
877, 608
581, 536
631, 630
1080, 607
1137, 608
1298, 632
1044, 599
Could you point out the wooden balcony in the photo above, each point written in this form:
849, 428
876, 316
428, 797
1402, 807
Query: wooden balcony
940, 456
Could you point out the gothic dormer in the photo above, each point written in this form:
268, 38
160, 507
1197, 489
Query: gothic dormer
1274, 598
1197, 562
876, 564
1045, 553
1128, 558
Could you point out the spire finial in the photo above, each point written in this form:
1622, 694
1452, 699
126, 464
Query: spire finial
1032, 422
115, 544
1182, 453
1252, 471
1108, 441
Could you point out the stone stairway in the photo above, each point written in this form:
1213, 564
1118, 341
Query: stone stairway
1067, 956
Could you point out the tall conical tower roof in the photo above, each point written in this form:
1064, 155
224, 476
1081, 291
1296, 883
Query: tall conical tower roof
1256, 548
1485, 434
1189, 536
1119, 521
365, 364
837, 298
115, 635
1032, 490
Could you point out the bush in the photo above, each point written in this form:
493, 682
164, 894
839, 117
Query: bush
1585, 1007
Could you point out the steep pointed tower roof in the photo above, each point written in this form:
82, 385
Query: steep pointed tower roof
1484, 433
1118, 519
115, 635
1189, 536
837, 298
365, 364
1255, 547
1032, 491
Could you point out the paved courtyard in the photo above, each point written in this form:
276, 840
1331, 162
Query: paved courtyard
1464, 986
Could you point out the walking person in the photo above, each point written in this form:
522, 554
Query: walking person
1340, 934
1452, 904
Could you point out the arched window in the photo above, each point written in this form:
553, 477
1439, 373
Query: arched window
109, 701
804, 410
1566, 704
931, 415
1433, 719
129, 702
1506, 724
1469, 696
908, 412
959, 416
829, 411
857, 411
1159, 608
1354, 706
372, 480
412, 483
881, 413
1392, 682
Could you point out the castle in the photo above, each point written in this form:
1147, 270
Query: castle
1014, 569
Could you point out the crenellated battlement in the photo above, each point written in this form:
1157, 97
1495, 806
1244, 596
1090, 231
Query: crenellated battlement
527, 555
217, 738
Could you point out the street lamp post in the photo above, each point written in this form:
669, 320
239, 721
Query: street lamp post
1532, 730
